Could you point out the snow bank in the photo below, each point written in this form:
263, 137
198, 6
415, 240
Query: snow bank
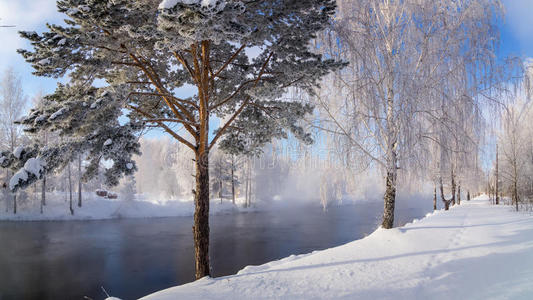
473, 251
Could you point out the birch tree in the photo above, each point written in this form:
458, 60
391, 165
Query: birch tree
408, 60
515, 139
12, 103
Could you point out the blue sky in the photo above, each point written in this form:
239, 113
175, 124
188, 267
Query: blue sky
516, 34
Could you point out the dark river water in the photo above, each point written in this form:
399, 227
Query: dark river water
131, 258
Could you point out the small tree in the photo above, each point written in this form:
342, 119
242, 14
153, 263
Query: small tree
514, 138
221, 171
12, 101
239, 57
412, 63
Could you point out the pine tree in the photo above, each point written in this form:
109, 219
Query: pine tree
129, 58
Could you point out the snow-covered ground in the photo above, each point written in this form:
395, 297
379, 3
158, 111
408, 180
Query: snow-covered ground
98, 208
473, 251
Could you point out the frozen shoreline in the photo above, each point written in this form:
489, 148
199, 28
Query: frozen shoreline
97, 208
473, 251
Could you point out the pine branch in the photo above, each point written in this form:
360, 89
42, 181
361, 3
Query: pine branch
162, 125
185, 64
229, 61
160, 89
241, 108
164, 95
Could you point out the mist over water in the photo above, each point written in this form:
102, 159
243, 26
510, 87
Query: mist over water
134, 257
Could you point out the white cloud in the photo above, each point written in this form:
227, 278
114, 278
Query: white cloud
27, 15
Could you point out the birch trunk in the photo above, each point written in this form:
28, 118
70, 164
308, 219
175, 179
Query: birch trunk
392, 160
43, 193
435, 198
233, 179
497, 185
459, 195
453, 187
79, 181
70, 190
446, 202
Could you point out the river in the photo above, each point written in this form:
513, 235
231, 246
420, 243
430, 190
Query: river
131, 258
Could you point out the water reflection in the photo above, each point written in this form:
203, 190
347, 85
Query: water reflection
134, 257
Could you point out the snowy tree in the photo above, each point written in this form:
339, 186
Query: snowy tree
239, 57
221, 171
12, 103
128, 189
41, 138
164, 168
409, 61
515, 139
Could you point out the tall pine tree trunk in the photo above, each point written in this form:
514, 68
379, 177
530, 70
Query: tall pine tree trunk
201, 216
14, 204
201, 210
468, 195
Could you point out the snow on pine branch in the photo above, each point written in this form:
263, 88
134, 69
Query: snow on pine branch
168, 4
33, 166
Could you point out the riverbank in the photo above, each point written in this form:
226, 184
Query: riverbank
100, 208
473, 251
149, 206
